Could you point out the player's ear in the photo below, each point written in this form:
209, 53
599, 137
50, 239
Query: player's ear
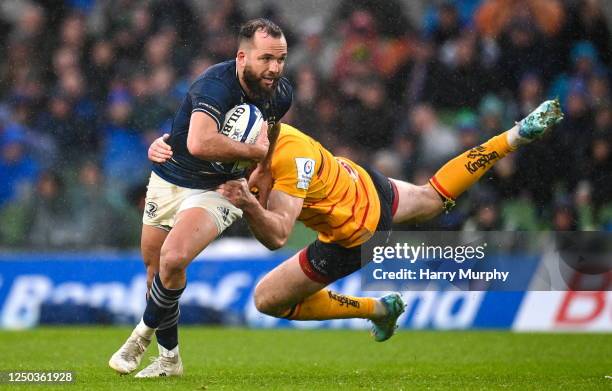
241, 57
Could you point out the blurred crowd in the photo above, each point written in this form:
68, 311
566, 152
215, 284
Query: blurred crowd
86, 85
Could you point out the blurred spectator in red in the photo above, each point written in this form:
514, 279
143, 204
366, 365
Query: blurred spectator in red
494, 16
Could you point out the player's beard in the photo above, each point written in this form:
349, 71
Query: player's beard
255, 85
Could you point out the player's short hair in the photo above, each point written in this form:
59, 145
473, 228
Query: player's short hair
249, 28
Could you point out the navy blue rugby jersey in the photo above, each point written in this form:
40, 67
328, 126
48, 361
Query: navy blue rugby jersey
214, 92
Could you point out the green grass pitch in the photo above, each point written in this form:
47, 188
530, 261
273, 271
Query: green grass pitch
242, 359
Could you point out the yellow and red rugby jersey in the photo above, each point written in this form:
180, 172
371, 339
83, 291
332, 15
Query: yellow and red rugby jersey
340, 200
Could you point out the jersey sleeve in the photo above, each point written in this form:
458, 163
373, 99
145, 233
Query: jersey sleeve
211, 96
293, 166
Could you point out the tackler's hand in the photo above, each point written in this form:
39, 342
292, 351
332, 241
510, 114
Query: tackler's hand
159, 150
260, 183
237, 192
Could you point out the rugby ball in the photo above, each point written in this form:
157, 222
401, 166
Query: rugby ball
242, 123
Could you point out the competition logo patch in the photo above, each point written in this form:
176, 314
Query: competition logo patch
151, 209
305, 169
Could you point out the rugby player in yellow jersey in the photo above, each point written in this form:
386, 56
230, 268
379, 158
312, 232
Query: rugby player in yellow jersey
346, 204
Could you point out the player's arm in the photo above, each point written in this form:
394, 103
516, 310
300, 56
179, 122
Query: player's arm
206, 143
271, 226
272, 137
260, 180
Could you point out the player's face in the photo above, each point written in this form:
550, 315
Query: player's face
264, 63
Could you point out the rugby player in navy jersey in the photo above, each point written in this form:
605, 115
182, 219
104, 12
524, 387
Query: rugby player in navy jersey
183, 212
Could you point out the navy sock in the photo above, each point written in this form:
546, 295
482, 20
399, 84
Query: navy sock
167, 332
161, 303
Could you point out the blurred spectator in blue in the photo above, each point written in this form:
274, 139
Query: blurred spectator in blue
585, 61
75, 137
82, 6
587, 22
124, 153
18, 169
439, 16
73, 85
443, 23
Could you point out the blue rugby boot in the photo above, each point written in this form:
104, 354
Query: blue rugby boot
540, 120
384, 328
